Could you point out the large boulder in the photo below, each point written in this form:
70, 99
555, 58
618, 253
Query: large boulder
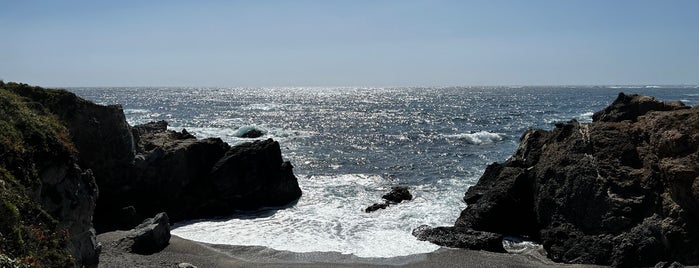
461, 238
622, 190
149, 237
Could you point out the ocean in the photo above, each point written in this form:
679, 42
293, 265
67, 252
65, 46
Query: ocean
350, 145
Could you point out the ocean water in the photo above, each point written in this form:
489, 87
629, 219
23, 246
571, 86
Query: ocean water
349, 146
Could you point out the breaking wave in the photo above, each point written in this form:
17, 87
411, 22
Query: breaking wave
480, 137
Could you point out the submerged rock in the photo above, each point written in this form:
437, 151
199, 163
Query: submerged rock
622, 190
375, 207
396, 195
249, 132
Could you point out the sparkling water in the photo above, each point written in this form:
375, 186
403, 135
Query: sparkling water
350, 145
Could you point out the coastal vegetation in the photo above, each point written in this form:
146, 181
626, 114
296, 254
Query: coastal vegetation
29, 235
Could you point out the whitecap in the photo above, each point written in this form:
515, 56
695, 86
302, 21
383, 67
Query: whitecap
480, 137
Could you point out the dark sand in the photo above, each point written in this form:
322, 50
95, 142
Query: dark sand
204, 255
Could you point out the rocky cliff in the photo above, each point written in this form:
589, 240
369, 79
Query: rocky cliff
57, 149
46, 198
622, 190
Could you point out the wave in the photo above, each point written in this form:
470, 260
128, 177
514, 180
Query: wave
245, 129
330, 217
480, 137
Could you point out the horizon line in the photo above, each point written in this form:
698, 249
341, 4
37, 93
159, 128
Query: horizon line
647, 85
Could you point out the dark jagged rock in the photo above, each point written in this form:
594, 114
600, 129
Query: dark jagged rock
622, 190
253, 174
630, 107
149, 237
190, 178
375, 207
398, 194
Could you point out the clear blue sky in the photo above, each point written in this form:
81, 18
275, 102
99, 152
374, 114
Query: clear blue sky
349, 43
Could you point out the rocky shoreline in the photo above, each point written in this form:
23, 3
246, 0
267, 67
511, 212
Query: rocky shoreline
621, 191
185, 253
59, 149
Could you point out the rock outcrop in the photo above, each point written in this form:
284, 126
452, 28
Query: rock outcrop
191, 178
622, 190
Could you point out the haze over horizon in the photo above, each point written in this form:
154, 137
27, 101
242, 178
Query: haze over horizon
349, 43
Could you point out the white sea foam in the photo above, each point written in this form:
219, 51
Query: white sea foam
519, 245
232, 135
136, 111
480, 137
330, 217
585, 117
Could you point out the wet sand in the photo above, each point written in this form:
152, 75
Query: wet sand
203, 255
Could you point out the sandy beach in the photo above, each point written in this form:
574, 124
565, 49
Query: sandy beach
181, 251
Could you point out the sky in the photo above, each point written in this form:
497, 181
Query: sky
349, 43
